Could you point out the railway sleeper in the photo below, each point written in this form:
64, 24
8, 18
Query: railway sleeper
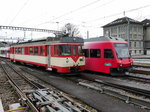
49, 101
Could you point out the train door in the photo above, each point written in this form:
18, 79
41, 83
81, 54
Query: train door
12, 53
75, 53
49, 57
108, 60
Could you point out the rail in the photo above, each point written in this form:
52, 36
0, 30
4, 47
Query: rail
139, 99
42, 99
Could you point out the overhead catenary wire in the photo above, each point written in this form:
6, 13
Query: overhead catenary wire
94, 20
66, 14
25, 3
70, 12
131, 10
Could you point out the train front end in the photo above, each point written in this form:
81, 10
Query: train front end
124, 61
68, 57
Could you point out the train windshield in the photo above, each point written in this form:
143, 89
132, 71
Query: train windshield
122, 50
65, 50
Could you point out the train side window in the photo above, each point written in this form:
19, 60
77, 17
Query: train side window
2, 52
19, 50
74, 49
41, 50
95, 53
86, 52
22, 51
36, 50
16, 50
30, 50
108, 54
56, 51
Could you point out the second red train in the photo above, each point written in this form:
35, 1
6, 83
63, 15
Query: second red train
107, 55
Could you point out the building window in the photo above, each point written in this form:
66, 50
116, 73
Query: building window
134, 44
108, 54
135, 29
134, 36
94, 53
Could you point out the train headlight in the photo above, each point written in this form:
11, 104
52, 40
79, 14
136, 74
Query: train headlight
121, 65
82, 59
67, 60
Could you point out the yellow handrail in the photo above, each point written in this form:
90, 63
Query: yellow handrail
22, 108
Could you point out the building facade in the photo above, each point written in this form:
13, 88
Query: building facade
128, 29
146, 36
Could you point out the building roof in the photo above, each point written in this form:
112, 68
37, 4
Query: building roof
146, 22
103, 38
49, 40
4, 44
122, 21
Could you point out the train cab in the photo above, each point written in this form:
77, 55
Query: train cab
108, 55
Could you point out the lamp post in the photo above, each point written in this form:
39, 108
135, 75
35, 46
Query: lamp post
5, 36
57, 26
128, 20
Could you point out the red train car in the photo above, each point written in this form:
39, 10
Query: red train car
5, 52
62, 54
107, 55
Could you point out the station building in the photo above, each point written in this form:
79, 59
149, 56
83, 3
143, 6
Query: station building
146, 36
128, 29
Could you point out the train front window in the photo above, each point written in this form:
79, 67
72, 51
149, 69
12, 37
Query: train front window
74, 49
65, 50
122, 50
80, 50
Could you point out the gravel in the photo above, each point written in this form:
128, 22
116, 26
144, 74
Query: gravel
7, 93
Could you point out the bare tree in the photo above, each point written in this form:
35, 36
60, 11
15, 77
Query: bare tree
71, 30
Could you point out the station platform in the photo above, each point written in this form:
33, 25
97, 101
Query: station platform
141, 56
1, 106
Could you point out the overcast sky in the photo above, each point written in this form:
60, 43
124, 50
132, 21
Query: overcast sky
86, 14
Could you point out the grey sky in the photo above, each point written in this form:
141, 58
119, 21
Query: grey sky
86, 14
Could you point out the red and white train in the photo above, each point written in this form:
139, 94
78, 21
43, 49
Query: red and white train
107, 55
62, 54
5, 52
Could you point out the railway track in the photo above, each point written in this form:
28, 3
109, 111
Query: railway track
48, 100
126, 95
19, 83
104, 87
141, 69
137, 77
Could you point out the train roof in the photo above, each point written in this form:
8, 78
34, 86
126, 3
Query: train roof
102, 38
53, 40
